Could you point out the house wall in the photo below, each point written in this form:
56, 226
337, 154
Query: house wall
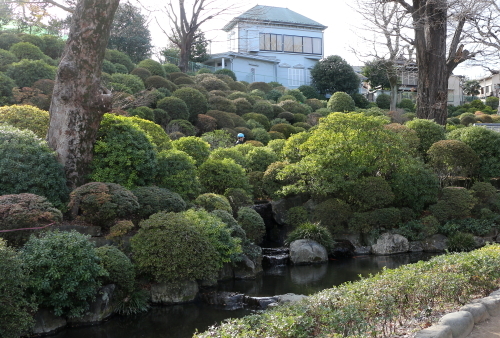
455, 92
293, 69
253, 70
489, 86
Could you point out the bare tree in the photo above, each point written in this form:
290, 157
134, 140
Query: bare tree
438, 26
79, 101
185, 24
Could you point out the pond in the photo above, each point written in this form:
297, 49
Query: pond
181, 321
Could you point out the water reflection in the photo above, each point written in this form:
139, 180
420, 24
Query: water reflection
181, 321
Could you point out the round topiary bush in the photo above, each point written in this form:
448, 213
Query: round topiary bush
177, 172
428, 132
232, 153
242, 106
227, 72
218, 175
102, 203
156, 81
194, 99
260, 158
261, 135
26, 50
295, 107
194, 147
211, 202
183, 126
206, 124
123, 153
143, 112
28, 165
222, 104
213, 83
153, 66
119, 268
15, 315
26, 72
25, 211
370, 193
171, 68
284, 128
156, 134
131, 81
238, 198
452, 158
341, 102
383, 101
26, 117
252, 223
176, 75
183, 246
8, 39
143, 73
64, 272
183, 80
116, 56
6, 58
175, 108
297, 94
359, 100
53, 46
154, 199
265, 87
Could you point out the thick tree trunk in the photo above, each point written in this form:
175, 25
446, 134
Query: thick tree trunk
394, 96
430, 42
79, 101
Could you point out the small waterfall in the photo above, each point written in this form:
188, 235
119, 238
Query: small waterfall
272, 257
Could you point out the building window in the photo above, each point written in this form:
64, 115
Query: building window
295, 77
290, 43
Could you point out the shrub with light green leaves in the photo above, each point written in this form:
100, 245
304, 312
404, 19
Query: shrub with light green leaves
238, 198
123, 153
194, 99
157, 135
194, 147
183, 246
428, 132
252, 223
64, 272
232, 153
131, 81
143, 112
116, 56
15, 316
26, 72
177, 172
28, 165
153, 66
102, 203
175, 107
211, 202
26, 50
154, 199
26, 117
341, 102
119, 268
218, 175
260, 158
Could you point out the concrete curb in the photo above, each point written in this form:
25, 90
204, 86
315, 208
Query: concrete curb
460, 324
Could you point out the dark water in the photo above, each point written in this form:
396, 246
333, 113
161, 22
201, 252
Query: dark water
181, 321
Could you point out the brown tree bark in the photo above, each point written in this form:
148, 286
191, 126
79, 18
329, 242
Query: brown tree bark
79, 101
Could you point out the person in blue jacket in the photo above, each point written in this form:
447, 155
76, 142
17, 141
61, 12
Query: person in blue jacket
241, 139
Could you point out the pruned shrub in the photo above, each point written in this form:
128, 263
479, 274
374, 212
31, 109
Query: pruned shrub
429, 132
211, 202
64, 272
265, 87
119, 268
419, 229
26, 72
313, 231
123, 153
238, 198
28, 165
383, 101
222, 118
25, 211
261, 135
26, 50
156, 81
183, 246
455, 202
271, 184
143, 112
131, 81
341, 102
154, 199
116, 56
15, 310
156, 134
26, 117
176, 108
227, 72
194, 147
370, 193
177, 172
102, 203
7, 39
171, 68
252, 223
153, 66
283, 128
194, 99
409, 135
485, 194
239, 122
461, 242
260, 158
238, 86
143, 73
6, 58
175, 75
242, 106
183, 81
222, 104
295, 107
205, 124
452, 158
296, 216
212, 83
183, 126
332, 214
218, 175
232, 153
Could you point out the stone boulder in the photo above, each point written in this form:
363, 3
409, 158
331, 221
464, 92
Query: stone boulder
100, 309
307, 251
174, 293
416, 246
435, 243
47, 323
388, 244
247, 269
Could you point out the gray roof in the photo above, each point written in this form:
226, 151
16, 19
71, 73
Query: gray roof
278, 15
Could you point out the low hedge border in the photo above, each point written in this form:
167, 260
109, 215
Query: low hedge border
410, 297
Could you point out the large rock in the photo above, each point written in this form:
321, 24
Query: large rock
47, 323
174, 293
100, 309
435, 243
227, 300
307, 251
461, 323
246, 269
388, 244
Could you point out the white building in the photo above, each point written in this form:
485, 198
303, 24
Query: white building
271, 44
489, 86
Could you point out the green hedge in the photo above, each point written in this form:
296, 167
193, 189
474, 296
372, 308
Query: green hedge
378, 305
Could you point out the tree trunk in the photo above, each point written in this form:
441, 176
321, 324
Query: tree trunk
394, 94
430, 42
79, 101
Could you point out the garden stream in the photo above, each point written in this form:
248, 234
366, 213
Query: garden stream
181, 321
